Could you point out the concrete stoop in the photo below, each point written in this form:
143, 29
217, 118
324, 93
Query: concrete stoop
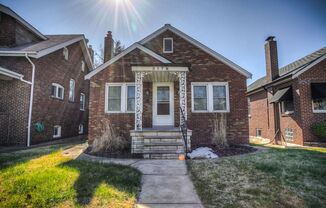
159, 144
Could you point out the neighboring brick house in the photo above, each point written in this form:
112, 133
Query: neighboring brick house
285, 103
141, 90
57, 88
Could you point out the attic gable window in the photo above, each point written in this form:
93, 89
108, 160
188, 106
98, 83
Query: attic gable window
167, 45
82, 66
66, 53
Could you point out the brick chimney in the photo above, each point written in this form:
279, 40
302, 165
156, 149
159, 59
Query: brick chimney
108, 46
91, 52
271, 59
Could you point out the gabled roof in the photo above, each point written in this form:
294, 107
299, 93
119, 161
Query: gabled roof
11, 13
51, 44
293, 69
199, 45
123, 53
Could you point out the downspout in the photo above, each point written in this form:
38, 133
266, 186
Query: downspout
30, 102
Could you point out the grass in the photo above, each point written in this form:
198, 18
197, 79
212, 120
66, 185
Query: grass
277, 177
43, 177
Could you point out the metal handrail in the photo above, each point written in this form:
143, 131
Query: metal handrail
184, 129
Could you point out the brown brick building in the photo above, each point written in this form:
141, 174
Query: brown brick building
43, 94
141, 91
287, 101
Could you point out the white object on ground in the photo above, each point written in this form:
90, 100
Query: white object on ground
202, 152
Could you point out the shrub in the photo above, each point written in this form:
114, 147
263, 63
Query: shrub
108, 140
319, 130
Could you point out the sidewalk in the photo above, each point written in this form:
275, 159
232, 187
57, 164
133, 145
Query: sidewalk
165, 183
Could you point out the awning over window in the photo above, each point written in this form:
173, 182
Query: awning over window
281, 95
318, 90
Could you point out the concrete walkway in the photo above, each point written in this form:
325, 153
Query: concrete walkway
165, 183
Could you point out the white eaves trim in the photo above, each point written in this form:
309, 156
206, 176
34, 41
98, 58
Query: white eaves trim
11, 74
320, 59
125, 52
11, 13
199, 45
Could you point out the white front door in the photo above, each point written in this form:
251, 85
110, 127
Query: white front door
163, 105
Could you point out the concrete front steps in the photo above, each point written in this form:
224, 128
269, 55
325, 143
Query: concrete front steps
163, 147
159, 143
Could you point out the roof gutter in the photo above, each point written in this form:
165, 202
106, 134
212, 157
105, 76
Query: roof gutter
30, 101
17, 53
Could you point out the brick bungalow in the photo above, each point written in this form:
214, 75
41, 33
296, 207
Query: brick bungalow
142, 91
43, 94
287, 101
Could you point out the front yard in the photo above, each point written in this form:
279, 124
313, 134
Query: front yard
43, 177
273, 178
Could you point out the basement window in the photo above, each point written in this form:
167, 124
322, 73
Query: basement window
57, 91
167, 45
288, 134
56, 131
258, 132
80, 129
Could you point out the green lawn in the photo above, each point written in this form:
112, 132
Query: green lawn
45, 178
274, 178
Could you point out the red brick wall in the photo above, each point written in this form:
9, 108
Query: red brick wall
118, 72
14, 97
52, 68
302, 118
204, 68
316, 74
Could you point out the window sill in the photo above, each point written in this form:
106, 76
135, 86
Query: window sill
55, 137
319, 111
286, 114
82, 109
167, 51
210, 111
57, 98
119, 112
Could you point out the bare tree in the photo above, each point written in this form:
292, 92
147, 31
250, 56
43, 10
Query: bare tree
99, 54
118, 47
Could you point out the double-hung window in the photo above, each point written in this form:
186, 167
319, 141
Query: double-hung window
57, 91
119, 98
82, 102
318, 95
210, 97
72, 90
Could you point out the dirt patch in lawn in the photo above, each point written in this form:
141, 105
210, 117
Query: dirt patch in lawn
122, 154
233, 150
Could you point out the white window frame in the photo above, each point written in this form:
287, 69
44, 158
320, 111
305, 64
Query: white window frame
283, 108
72, 91
210, 99
82, 66
66, 53
314, 110
165, 51
57, 91
81, 129
124, 92
84, 98
59, 131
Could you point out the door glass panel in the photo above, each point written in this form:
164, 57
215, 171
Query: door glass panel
163, 100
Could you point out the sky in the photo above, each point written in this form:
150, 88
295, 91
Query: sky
237, 29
